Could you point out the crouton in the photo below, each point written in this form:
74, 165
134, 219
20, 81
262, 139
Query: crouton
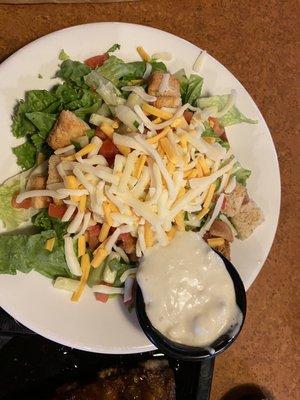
221, 229
234, 200
247, 219
38, 182
224, 249
53, 175
168, 98
68, 127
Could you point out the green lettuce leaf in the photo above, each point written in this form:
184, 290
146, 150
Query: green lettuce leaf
232, 117
27, 252
26, 155
43, 222
41, 120
190, 88
11, 217
241, 174
113, 48
209, 132
73, 72
63, 56
118, 72
106, 89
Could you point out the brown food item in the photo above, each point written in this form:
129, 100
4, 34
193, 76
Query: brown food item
247, 219
234, 200
53, 175
38, 182
170, 97
224, 249
221, 229
68, 127
154, 382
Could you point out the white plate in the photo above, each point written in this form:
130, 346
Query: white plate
91, 325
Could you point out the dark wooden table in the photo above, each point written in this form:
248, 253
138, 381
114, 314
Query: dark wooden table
259, 42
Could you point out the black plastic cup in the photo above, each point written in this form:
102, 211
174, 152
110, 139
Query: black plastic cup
191, 353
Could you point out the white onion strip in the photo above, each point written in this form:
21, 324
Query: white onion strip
85, 224
71, 258
140, 91
215, 214
150, 125
39, 193
68, 214
65, 149
107, 289
76, 222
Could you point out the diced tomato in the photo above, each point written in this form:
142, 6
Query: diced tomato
188, 115
24, 204
218, 128
56, 211
96, 61
109, 151
101, 297
100, 133
93, 233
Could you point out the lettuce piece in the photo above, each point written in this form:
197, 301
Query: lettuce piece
190, 88
117, 71
232, 117
73, 72
63, 56
106, 89
26, 155
27, 252
41, 120
113, 48
209, 132
241, 174
158, 66
11, 217
43, 222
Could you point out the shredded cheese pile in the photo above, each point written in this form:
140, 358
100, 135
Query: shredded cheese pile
146, 193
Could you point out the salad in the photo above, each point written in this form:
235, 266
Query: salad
117, 158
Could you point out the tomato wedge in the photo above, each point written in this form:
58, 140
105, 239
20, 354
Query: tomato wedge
24, 204
93, 233
96, 61
56, 211
109, 151
101, 297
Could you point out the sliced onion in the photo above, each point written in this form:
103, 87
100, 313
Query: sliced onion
98, 143
140, 91
228, 105
71, 258
39, 193
215, 214
199, 61
66, 149
164, 84
122, 253
107, 289
76, 222
85, 224
68, 214
151, 126
128, 289
148, 70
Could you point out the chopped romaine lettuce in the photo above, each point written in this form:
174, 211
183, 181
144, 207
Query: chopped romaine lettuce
43, 222
26, 155
43, 121
27, 252
63, 56
190, 88
73, 72
209, 132
241, 174
113, 48
232, 117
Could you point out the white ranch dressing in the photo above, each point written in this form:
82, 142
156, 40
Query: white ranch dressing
188, 293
